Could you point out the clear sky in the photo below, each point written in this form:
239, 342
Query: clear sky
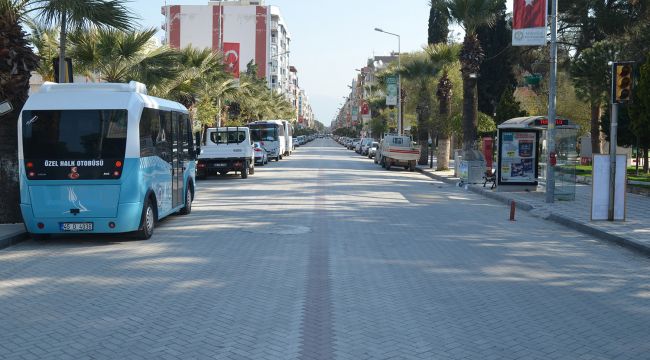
331, 38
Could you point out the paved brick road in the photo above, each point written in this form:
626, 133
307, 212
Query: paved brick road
327, 256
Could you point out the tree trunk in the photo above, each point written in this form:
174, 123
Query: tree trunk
470, 113
9, 185
62, 40
16, 63
423, 135
645, 160
444, 150
638, 153
595, 127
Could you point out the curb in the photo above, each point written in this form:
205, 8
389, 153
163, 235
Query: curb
13, 239
570, 223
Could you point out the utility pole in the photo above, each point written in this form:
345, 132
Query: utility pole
612, 159
400, 124
550, 133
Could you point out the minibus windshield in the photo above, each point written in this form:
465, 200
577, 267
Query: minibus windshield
264, 132
55, 141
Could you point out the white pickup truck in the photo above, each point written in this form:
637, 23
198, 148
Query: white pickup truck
226, 149
397, 150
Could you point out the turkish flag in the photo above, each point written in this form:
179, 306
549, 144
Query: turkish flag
231, 58
529, 14
365, 110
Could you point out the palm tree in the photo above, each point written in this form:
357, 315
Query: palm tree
445, 55
419, 68
470, 14
17, 61
79, 14
198, 69
46, 42
120, 56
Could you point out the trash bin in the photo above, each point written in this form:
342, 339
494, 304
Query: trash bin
472, 168
458, 157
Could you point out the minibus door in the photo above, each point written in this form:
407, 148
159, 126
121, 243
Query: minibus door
177, 161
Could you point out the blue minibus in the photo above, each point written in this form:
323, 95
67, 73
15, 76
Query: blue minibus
103, 158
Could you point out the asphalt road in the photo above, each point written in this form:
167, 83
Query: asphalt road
325, 255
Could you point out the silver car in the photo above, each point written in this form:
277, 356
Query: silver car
372, 149
261, 156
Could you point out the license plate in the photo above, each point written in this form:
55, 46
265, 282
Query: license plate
220, 165
86, 226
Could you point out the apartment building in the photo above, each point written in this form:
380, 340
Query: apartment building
246, 30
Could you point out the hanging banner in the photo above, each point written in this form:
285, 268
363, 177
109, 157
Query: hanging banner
365, 112
231, 58
391, 90
529, 22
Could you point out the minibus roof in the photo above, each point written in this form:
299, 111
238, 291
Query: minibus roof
97, 96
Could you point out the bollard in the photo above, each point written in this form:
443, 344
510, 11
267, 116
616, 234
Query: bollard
512, 210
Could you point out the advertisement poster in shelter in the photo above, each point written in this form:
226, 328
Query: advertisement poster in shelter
518, 156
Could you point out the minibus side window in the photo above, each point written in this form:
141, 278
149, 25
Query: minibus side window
164, 144
149, 131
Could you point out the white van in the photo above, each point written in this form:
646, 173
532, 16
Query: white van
226, 149
398, 150
288, 137
271, 136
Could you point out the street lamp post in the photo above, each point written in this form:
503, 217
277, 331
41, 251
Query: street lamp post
400, 127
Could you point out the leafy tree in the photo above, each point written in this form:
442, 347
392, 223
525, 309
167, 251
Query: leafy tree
497, 73
585, 22
378, 126
470, 15
591, 77
508, 107
438, 24
640, 113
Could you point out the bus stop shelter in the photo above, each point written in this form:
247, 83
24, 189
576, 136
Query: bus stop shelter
522, 154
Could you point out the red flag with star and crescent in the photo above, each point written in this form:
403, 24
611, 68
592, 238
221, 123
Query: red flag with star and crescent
529, 14
231, 58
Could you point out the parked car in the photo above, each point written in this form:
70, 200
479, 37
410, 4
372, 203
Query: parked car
372, 149
261, 156
353, 144
295, 141
365, 145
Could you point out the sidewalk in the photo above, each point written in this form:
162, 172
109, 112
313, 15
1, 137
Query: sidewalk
634, 233
11, 234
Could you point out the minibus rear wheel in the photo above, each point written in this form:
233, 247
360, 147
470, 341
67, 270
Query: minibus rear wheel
148, 221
